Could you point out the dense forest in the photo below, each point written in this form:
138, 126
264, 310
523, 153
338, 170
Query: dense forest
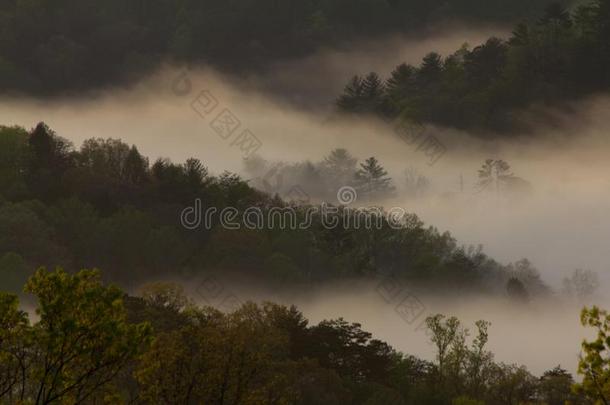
555, 59
108, 259
92, 344
50, 47
105, 206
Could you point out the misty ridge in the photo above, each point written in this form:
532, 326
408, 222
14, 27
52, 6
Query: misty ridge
493, 148
551, 162
446, 200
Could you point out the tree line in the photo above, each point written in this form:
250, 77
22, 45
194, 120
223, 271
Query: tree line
91, 343
322, 180
105, 206
53, 47
559, 57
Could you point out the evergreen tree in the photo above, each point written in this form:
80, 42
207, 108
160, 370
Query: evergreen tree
135, 167
351, 99
557, 15
50, 157
372, 180
339, 167
485, 63
401, 80
494, 174
373, 92
399, 87
430, 70
521, 35
363, 95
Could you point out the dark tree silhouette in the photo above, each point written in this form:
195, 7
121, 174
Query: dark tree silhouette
516, 290
351, 99
340, 167
494, 174
372, 180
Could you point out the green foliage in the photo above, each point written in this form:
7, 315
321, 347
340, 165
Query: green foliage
466, 401
15, 341
556, 387
282, 268
235, 357
511, 384
561, 56
372, 180
594, 364
104, 206
13, 161
467, 374
13, 272
25, 233
165, 296
76, 348
88, 347
107, 208
50, 48
445, 333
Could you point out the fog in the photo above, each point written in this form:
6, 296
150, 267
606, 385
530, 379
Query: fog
562, 224
540, 335
313, 82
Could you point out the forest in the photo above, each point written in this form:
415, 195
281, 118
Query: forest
128, 277
91, 343
554, 60
58, 47
105, 206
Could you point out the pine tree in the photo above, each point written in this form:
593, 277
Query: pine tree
557, 15
351, 99
373, 89
135, 168
399, 87
521, 35
363, 95
339, 168
494, 174
430, 69
401, 80
372, 180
